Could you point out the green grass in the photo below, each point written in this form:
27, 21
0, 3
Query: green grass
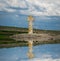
5, 36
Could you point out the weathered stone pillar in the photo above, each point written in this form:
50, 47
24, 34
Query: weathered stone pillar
30, 24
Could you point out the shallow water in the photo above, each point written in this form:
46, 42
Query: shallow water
45, 52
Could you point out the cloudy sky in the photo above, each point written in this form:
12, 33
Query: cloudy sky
44, 11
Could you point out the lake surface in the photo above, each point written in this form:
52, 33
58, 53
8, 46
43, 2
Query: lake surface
45, 52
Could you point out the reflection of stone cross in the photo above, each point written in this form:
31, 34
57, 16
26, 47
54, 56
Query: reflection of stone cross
30, 20
30, 52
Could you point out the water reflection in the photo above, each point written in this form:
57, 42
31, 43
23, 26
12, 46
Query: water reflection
30, 51
47, 52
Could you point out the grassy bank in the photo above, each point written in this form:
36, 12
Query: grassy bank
6, 32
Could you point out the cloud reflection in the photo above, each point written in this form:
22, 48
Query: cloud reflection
42, 53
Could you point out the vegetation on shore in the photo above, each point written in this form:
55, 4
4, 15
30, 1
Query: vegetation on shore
6, 32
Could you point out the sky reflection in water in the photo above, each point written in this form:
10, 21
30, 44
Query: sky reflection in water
47, 52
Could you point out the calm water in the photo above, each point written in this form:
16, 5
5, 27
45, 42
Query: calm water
46, 52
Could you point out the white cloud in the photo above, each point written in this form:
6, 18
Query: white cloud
9, 10
13, 3
32, 7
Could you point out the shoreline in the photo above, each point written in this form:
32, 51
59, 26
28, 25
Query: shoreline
6, 32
